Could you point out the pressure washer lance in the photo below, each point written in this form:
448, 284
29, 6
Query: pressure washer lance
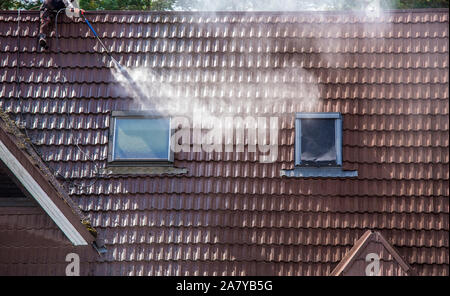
118, 66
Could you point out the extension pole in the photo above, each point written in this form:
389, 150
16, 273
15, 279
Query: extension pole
116, 63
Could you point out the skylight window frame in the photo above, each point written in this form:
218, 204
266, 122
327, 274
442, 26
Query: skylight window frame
137, 161
337, 134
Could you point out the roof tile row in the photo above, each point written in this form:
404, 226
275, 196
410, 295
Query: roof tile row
85, 168
266, 236
35, 117
325, 76
394, 17
285, 138
235, 45
258, 253
210, 268
227, 30
276, 186
237, 61
352, 155
265, 219
280, 203
299, 94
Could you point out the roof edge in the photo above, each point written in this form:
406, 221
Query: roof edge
396, 255
354, 251
27, 166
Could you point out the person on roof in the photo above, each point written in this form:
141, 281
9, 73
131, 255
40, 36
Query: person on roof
48, 12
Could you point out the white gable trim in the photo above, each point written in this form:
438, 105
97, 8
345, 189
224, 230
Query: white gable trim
40, 196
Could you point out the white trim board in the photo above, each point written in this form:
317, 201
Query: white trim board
40, 196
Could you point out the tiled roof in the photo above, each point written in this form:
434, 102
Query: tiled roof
231, 214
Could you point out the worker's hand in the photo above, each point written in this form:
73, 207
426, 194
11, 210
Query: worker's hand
74, 12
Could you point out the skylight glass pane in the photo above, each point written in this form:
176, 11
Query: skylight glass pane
318, 141
141, 138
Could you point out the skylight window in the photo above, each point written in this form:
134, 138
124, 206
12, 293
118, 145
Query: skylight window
318, 141
140, 138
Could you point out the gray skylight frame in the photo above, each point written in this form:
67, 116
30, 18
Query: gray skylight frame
337, 134
137, 161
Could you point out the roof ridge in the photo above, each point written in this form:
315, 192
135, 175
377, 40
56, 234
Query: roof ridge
275, 13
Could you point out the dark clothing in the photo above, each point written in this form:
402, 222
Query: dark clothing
48, 12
